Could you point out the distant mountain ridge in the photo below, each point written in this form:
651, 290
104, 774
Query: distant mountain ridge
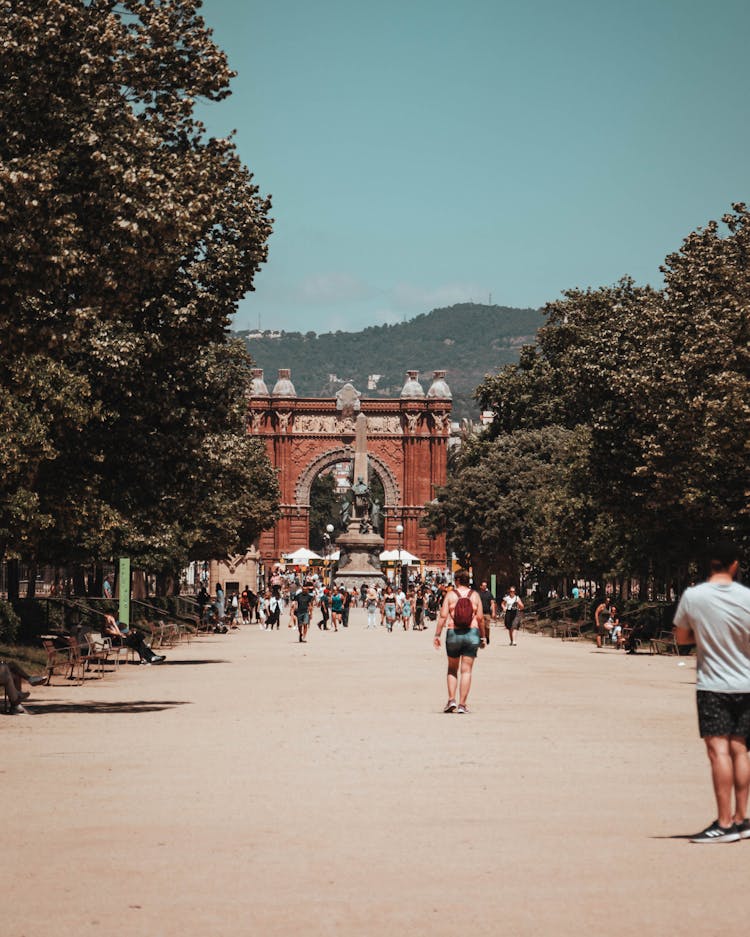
467, 340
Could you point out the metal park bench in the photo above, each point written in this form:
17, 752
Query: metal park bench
664, 643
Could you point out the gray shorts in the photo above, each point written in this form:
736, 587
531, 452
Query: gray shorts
303, 618
462, 642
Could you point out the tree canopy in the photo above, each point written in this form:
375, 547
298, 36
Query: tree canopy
127, 237
646, 395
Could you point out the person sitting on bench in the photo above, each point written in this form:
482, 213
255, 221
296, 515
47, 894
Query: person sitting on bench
130, 638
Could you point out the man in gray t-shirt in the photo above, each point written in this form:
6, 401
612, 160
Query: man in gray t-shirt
716, 617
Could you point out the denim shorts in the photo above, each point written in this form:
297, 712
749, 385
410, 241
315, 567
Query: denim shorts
462, 642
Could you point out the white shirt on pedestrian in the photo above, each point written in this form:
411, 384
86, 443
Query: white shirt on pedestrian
718, 613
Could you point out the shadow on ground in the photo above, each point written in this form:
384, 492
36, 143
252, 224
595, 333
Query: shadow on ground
173, 663
132, 706
676, 836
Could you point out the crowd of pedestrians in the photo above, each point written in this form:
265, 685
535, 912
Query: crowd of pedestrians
413, 603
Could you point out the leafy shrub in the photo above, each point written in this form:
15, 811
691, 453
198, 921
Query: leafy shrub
35, 617
9, 622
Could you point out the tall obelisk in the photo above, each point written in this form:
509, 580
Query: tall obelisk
359, 544
360, 450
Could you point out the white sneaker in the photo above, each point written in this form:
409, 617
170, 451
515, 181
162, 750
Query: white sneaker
18, 710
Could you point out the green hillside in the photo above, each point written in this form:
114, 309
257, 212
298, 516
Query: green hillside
466, 340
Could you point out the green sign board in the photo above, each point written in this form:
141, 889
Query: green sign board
123, 589
493, 584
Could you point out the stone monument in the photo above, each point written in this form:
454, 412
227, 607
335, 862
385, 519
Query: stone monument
360, 544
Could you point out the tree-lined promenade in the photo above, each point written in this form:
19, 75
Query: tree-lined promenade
255, 785
127, 237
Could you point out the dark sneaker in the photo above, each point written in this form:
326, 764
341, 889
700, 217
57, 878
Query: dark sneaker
37, 680
717, 834
450, 706
743, 829
17, 710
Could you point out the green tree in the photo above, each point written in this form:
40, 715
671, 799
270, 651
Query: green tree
513, 499
661, 381
127, 237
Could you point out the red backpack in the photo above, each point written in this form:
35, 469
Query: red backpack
463, 612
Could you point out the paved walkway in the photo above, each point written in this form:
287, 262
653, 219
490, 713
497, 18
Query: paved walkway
253, 785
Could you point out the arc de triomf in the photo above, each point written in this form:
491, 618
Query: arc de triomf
407, 446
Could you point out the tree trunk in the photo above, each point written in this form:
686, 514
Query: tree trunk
31, 584
165, 584
14, 580
138, 589
79, 580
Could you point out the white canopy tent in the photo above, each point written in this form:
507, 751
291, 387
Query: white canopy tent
301, 557
393, 556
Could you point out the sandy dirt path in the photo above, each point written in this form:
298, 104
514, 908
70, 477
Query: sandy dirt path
253, 785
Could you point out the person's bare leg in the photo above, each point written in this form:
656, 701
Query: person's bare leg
7, 680
510, 634
452, 677
722, 775
741, 763
467, 663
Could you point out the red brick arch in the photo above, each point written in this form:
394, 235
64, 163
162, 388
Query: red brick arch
407, 446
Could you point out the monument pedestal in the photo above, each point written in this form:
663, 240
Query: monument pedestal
359, 558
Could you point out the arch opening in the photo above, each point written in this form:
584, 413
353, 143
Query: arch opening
321, 490
327, 460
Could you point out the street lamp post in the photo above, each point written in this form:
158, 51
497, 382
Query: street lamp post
400, 533
327, 539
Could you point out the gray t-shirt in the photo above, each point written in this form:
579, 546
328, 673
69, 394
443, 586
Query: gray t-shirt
719, 615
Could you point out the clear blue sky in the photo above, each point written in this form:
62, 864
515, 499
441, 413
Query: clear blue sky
422, 152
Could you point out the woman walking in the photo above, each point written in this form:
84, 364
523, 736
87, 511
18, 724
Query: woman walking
406, 610
337, 608
512, 605
461, 614
371, 603
389, 608
419, 610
